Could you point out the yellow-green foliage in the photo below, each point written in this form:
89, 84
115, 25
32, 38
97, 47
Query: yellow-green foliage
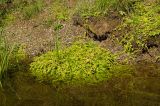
8, 18
60, 10
17, 57
141, 25
80, 63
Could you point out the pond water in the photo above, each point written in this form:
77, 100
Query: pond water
140, 89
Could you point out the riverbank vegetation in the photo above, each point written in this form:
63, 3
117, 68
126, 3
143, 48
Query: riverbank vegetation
138, 30
78, 42
80, 63
11, 57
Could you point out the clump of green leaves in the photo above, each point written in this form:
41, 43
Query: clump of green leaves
141, 25
83, 62
17, 58
32, 9
5, 53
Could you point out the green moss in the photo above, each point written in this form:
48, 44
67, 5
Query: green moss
80, 63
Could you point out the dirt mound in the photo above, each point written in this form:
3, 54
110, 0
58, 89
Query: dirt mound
98, 28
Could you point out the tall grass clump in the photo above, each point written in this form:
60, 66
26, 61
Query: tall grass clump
10, 57
82, 62
87, 8
32, 9
5, 53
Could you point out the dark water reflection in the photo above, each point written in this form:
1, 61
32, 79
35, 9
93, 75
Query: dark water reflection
140, 89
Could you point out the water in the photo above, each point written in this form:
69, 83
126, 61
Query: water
140, 89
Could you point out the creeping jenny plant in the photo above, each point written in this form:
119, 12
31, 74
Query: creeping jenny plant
80, 63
